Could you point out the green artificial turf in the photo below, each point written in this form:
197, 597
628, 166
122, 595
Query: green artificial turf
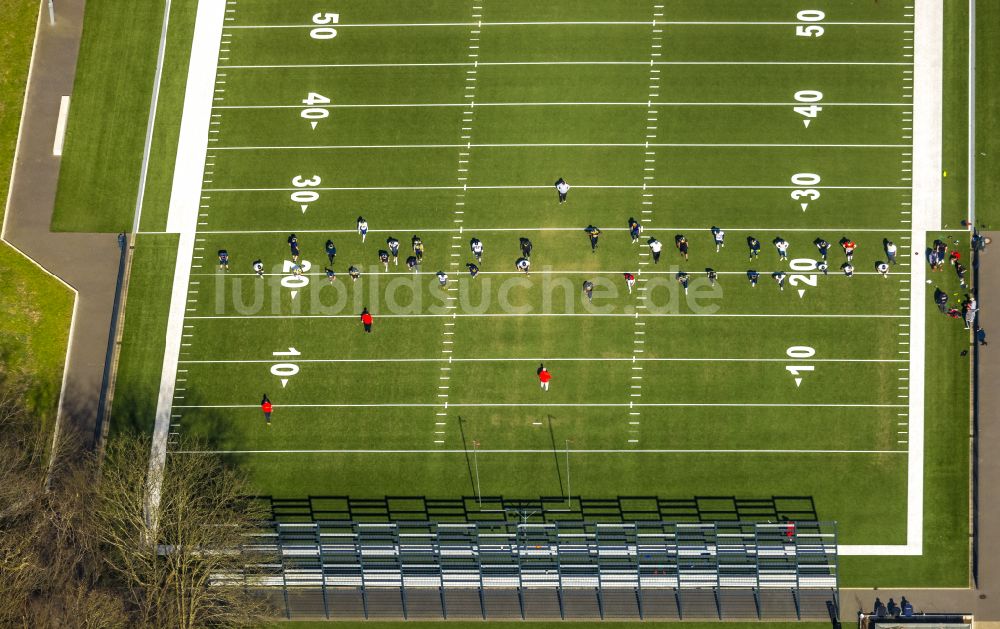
987, 113
144, 333
163, 151
955, 114
709, 407
36, 309
100, 169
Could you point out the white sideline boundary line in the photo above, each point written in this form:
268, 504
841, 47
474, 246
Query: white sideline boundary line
927, 165
192, 147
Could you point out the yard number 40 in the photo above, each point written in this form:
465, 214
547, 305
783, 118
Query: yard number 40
808, 112
315, 114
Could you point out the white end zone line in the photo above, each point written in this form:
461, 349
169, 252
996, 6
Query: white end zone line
927, 126
192, 147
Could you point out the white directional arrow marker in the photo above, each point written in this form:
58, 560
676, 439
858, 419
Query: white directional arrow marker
798, 381
304, 208
802, 292
284, 382
806, 122
312, 123
802, 205
294, 293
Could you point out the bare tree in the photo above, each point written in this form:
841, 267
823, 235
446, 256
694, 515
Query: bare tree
49, 558
189, 571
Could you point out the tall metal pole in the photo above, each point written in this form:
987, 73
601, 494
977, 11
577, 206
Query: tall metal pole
569, 487
52, 14
475, 458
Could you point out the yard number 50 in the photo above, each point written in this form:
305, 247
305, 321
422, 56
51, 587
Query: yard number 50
325, 32
810, 30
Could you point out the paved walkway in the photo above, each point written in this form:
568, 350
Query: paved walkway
87, 262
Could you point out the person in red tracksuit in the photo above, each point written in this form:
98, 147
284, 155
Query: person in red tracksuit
265, 405
366, 320
543, 377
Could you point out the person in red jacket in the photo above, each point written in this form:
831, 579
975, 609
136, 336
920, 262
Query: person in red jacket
265, 405
543, 377
366, 320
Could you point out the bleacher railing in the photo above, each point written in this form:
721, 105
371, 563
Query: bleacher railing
640, 570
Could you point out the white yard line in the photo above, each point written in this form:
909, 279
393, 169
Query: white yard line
223, 276
289, 317
480, 64
192, 147
547, 452
554, 145
565, 23
645, 104
546, 187
627, 359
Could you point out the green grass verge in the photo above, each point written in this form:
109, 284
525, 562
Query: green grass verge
955, 123
36, 308
144, 335
107, 121
987, 114
34, 331
168, 115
